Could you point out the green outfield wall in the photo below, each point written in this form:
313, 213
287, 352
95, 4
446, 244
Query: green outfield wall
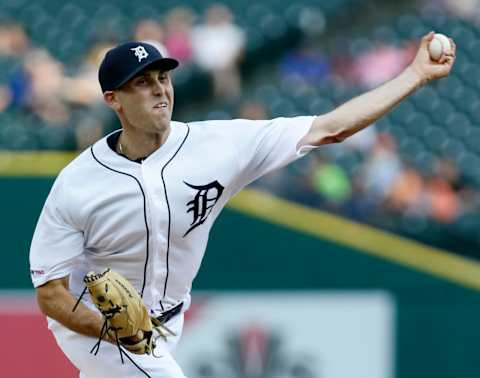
436, 293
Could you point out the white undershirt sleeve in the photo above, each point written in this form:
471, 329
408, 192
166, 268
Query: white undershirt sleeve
56, 243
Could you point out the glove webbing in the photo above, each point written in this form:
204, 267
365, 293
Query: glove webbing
103, 332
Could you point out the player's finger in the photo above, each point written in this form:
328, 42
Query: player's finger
451, 52
448, 61
454, 46
442, 59
427, 38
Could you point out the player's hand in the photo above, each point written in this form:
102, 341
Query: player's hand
429, 69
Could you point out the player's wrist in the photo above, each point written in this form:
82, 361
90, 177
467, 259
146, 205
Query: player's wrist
416, 76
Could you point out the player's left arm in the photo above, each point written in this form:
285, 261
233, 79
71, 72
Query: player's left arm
358, 113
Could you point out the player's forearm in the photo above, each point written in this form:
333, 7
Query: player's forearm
363, 110
56, 302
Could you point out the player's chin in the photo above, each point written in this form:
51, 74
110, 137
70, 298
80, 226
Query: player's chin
161, 123
161, 116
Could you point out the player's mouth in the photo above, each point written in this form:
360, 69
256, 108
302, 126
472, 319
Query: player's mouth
161, 105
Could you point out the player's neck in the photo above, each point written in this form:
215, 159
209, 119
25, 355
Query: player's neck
134, 144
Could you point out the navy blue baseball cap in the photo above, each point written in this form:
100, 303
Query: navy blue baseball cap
127, 60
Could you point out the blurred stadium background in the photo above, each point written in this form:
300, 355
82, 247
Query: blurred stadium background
360, 260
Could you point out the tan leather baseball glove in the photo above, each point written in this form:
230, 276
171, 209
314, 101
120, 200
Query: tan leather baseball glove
126, 318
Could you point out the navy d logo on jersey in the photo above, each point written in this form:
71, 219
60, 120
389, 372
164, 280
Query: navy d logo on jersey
202, 204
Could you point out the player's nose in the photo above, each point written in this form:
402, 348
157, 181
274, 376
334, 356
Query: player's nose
158, 89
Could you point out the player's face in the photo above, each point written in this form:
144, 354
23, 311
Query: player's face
146, 101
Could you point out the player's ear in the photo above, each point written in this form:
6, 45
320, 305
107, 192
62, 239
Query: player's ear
111, 99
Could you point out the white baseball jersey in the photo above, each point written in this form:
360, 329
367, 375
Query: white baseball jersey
150, 222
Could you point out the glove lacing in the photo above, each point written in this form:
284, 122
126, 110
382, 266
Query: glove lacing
103, 333
105, 329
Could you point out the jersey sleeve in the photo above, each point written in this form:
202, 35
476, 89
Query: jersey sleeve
56, 242
263, 146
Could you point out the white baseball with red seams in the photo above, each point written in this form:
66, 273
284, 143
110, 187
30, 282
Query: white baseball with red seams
439, 45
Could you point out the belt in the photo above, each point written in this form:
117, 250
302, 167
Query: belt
169, 314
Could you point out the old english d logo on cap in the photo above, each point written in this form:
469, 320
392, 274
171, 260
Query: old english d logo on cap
140, 53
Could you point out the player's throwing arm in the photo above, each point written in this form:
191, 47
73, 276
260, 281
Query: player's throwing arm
365, 109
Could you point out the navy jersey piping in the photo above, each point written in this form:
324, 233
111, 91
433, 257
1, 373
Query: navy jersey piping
169, 214
144, 215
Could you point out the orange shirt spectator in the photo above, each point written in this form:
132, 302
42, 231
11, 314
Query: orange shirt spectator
444, 204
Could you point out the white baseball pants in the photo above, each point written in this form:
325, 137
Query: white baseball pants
107, 362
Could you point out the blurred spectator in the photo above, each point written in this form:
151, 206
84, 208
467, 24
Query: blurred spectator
363, 141
361, 206
84, 95
13, 40
5, 98
443, 202
467, 9
381, 168
83, 89
39, 87
381, 63
18, 88
332, 183
407, 192
151, 31
469, 199
306, 63
179, 25
218, 45
88, 130
447, 170
252, 110
14, 44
